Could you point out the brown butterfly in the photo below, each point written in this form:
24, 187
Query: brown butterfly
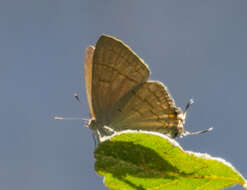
121, 97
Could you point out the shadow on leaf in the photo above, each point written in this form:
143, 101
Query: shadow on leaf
122, 159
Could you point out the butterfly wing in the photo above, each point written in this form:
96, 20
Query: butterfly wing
115, 70
148, 106
88, 64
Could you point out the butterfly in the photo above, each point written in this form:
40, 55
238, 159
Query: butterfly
121, 97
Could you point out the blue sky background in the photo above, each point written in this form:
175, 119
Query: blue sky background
197, 48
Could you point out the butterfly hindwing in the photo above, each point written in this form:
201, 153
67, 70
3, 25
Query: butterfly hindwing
148, 106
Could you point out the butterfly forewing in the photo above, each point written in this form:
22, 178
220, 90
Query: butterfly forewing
115, 71
88, 64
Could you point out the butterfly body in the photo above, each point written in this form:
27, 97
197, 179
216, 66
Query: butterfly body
121, 97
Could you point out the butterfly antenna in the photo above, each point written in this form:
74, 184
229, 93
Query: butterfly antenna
74, 118
198, 132
77, 97
70, 118
191, 101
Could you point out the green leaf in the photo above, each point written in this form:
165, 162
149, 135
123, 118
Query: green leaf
144, 161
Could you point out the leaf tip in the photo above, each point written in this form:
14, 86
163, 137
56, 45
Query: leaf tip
245, 185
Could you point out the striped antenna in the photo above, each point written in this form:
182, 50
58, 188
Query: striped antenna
191, 101
70, 118
198, 132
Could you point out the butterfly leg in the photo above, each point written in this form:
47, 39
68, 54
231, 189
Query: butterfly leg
95, 140
109, 129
